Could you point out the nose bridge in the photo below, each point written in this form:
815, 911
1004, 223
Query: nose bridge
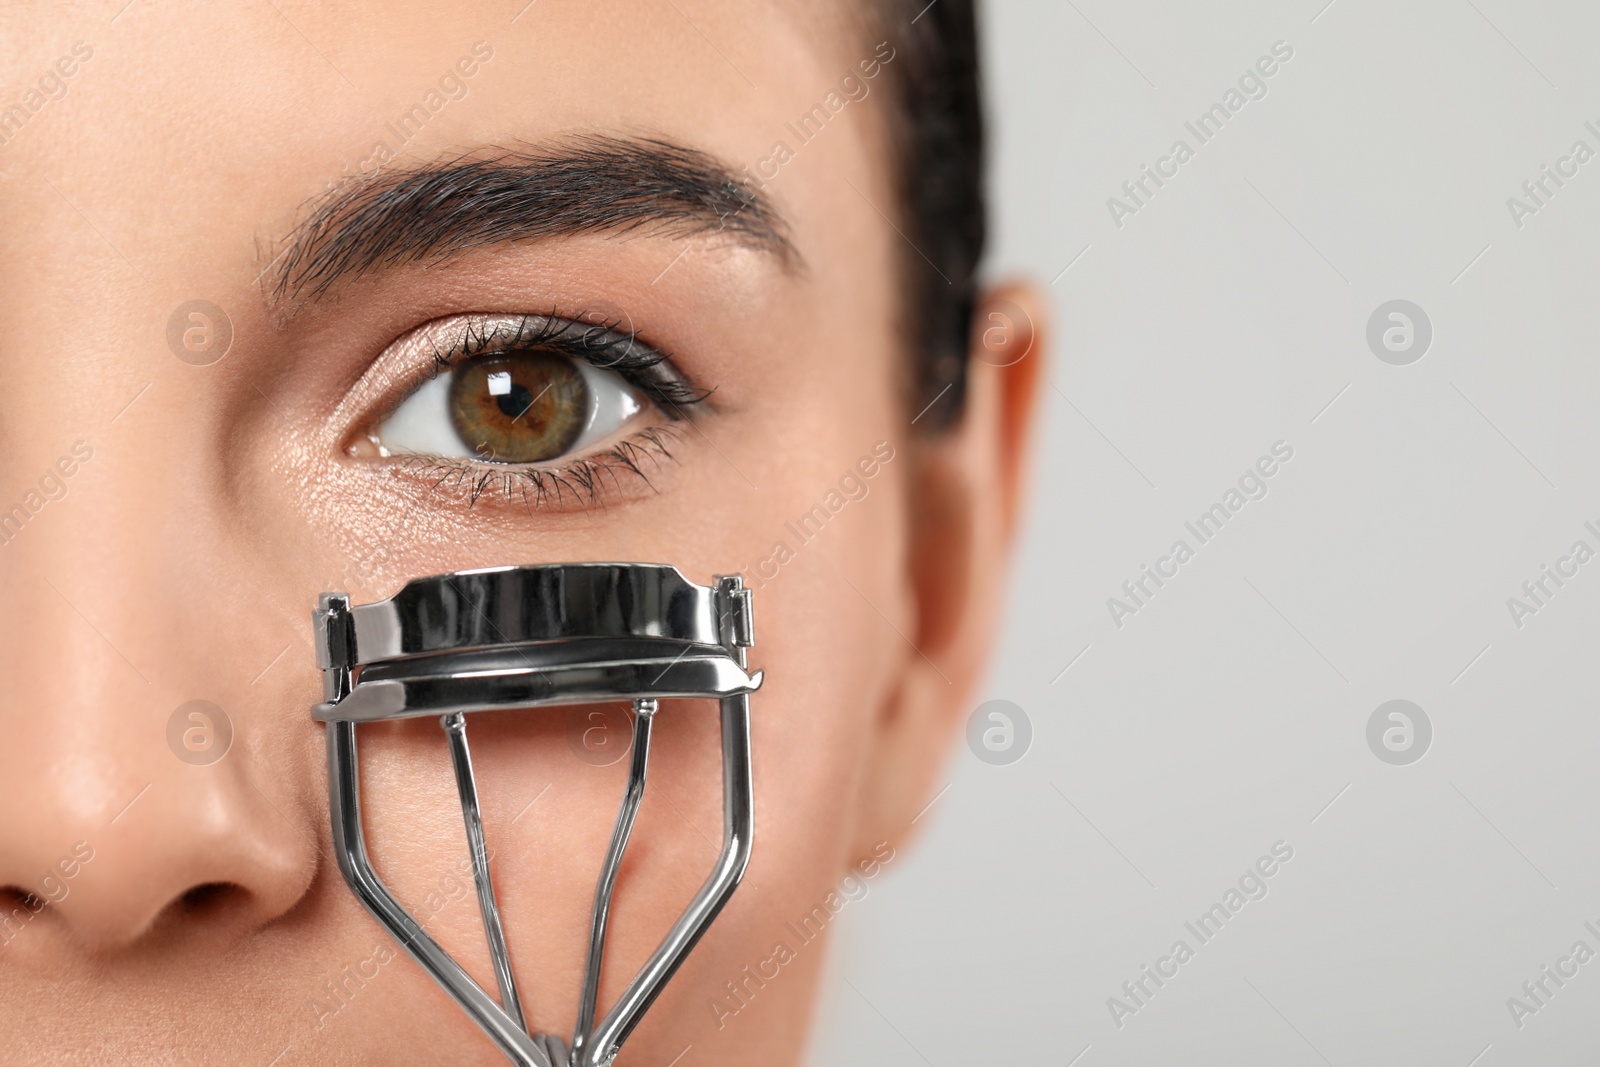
143, 754
105, 597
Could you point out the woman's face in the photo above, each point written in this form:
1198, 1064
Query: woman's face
180, 480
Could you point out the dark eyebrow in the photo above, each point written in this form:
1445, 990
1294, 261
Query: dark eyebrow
587, 185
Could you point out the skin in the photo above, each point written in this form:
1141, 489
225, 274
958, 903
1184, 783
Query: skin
221, 499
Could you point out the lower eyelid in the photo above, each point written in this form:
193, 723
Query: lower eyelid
582, 482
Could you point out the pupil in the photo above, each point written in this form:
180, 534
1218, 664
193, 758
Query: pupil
514, 403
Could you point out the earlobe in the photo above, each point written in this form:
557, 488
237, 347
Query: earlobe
965, 495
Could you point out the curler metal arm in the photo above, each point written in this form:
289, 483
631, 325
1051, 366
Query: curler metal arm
455, 727
644, 712
350, 849
529, 638
738, 828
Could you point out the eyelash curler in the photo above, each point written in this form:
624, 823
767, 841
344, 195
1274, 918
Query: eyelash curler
536, 637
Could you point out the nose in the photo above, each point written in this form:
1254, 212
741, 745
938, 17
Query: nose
146, 788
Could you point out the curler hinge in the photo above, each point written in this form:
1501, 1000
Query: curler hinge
734, 612
333, 631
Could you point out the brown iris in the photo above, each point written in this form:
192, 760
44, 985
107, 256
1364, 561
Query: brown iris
521, 407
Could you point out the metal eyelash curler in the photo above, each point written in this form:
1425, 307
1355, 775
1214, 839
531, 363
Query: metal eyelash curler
535, 637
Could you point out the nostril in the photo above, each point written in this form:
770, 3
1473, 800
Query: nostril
210, 896
18, 908
207, 910
14, 896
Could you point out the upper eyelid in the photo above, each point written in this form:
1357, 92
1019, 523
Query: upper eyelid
545, 330
531, 329
600, 344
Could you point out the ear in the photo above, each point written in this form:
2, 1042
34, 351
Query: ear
965, 497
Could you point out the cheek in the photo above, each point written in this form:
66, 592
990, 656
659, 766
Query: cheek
827, 638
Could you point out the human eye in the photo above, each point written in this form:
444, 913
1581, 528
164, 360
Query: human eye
528, 402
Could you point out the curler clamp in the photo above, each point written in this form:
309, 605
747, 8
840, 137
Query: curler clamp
529, 638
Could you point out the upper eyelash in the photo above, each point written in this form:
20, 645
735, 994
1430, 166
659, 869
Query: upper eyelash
601, 344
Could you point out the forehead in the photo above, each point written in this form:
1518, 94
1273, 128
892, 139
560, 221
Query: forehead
221, 121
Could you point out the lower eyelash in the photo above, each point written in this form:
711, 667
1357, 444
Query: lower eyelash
585, 477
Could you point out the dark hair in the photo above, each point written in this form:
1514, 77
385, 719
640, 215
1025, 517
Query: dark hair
937, 140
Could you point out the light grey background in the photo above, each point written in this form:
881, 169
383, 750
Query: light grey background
1227, 314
